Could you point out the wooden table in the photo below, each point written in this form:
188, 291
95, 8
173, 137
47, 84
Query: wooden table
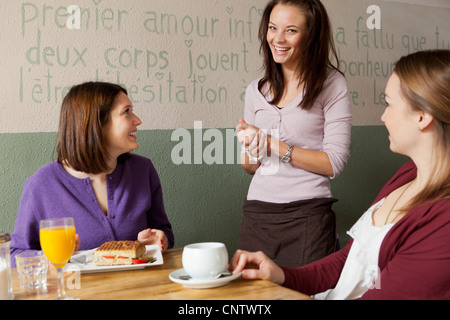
153, 283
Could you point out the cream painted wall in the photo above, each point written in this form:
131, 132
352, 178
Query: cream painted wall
186, 61
428, 3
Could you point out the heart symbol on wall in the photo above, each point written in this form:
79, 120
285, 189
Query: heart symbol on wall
96, 1
230, 10
201, 78
188, 43
159, 75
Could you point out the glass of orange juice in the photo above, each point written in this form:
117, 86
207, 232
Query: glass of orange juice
57, 237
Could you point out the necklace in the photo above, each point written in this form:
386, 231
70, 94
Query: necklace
395, 203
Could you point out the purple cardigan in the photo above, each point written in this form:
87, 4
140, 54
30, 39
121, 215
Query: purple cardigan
414, 257
135, 202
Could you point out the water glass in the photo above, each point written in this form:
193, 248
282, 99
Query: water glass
6, 292
32, 269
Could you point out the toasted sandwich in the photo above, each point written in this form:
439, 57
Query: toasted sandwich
115, 253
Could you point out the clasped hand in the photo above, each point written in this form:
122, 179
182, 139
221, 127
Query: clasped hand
252, 139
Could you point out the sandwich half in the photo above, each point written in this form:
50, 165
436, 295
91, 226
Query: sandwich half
114, 253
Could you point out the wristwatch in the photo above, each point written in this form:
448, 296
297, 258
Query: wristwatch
287, 157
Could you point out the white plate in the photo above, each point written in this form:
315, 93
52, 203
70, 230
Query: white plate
200, 284
90, 267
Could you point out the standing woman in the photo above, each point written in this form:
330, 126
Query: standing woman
303, 109
110, 193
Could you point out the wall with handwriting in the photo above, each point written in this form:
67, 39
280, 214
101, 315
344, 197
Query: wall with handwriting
186, 61
186, 64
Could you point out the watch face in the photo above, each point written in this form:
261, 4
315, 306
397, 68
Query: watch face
287, 157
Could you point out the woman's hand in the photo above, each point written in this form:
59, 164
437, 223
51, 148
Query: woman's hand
153, 236
258, 143
267, 269
255, 143
252, 138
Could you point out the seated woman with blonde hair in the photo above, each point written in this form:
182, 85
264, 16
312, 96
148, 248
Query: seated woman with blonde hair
399, 248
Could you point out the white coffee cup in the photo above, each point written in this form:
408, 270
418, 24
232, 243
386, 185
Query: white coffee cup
205, 260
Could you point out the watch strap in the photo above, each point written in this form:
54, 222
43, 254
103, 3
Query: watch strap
287, 157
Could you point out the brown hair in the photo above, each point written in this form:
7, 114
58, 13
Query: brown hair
425, 83
315, 62
85, 111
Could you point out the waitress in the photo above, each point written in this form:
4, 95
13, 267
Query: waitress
303, 109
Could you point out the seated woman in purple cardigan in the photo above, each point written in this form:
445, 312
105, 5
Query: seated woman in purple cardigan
399, 248
110, 193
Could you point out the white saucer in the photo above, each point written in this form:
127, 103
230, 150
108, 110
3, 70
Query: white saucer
200, 284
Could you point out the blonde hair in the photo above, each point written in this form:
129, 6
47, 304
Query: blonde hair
425, 83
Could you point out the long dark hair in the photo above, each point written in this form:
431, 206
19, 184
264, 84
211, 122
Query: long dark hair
315, 62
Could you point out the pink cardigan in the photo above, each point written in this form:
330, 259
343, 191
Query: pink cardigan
325, 127
414, 257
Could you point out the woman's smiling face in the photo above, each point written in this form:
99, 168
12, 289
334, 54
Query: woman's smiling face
120, 132
286, 31
399, 118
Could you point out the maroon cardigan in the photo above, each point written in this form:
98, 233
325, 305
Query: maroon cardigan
414, 257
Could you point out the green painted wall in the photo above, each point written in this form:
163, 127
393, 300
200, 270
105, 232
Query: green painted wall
204, 202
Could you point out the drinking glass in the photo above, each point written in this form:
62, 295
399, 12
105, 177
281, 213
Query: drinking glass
32, 270
57, 237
